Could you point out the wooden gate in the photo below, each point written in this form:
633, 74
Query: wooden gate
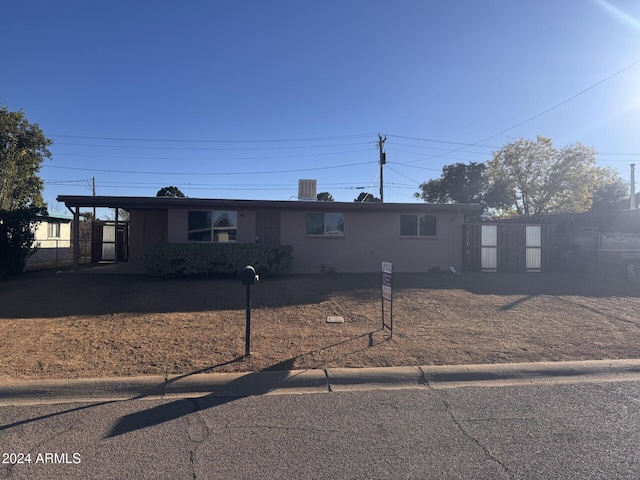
509, 247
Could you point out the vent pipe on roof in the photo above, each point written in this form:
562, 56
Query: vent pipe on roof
633, 187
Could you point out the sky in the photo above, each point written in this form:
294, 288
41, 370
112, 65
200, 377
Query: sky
241, 99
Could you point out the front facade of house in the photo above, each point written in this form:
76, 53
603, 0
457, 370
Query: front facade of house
340, 236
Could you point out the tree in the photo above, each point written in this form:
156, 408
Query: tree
17, 234
324, 197
459, 183
366, 197
23, 148
170, 191
611, 193
537, 178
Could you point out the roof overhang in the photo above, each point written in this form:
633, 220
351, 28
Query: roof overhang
153, 203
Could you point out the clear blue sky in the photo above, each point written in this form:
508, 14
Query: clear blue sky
240, 99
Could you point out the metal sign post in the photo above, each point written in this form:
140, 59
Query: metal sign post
387, 294
249, 278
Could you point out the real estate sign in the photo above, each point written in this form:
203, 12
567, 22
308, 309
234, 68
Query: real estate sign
387, 294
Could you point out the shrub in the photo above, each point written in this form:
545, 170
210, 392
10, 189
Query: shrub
16, 239
174, 259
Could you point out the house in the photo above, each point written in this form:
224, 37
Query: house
53, 239
345, 236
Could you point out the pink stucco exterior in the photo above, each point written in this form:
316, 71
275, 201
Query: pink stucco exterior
370, 237
370, 232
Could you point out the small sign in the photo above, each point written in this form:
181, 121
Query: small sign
386, 281
387, 294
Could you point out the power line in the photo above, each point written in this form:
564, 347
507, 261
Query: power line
403, 175
544, 112
441, 141
581, 92
267, 157
146, 147
209, 173
170, 140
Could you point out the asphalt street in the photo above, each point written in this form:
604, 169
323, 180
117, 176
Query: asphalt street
580, 430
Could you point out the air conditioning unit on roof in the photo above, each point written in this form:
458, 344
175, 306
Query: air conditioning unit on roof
307, 190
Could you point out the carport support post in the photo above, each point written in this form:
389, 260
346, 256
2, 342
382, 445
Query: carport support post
76, 238
117, 228
247, 340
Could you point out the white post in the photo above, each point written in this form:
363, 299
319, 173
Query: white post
633, 187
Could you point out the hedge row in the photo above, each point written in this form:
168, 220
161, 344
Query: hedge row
175, 259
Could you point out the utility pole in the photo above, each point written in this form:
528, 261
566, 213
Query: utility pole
94, 194
383, 160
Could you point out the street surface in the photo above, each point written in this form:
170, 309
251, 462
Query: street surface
560, 431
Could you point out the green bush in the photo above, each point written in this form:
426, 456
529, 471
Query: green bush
16, 239
175, 259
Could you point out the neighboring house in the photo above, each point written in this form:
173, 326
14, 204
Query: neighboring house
53, 239
348, 237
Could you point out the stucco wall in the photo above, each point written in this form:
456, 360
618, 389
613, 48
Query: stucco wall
369, 238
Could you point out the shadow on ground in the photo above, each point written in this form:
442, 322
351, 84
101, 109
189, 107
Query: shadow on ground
49, 295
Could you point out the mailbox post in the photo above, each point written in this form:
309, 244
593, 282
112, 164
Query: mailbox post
249, 278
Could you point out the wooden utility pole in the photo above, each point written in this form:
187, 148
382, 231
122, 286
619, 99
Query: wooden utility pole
383, 160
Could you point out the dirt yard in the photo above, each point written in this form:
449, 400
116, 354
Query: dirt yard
72, 325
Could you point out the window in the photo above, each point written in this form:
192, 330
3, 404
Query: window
212, 226
418, 225
268, 228
325, 224
53, 230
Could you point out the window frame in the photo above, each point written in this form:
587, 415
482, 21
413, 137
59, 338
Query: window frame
211, 218
419, 218
53, 230
339, 233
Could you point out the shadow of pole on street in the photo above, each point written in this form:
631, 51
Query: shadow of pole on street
178, 408
280, 372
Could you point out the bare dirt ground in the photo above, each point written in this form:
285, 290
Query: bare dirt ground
83, 324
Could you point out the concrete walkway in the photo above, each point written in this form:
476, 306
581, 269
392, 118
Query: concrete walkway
15, 392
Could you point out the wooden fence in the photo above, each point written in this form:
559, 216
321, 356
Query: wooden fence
504, 247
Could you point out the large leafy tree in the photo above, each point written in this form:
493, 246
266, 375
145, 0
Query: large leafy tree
459, 182
23, 148
538, 178
611, 192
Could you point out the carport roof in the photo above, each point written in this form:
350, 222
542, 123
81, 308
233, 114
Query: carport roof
141, 203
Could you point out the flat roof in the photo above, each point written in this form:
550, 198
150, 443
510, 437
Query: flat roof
141, 203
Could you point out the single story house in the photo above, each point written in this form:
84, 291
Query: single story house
349, 237
53, 239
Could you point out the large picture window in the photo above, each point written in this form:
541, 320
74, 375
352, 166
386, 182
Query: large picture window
325, 224
418, 226
212, 226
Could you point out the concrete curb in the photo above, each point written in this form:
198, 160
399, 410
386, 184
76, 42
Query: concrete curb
375, 378
15, 392
453, 376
